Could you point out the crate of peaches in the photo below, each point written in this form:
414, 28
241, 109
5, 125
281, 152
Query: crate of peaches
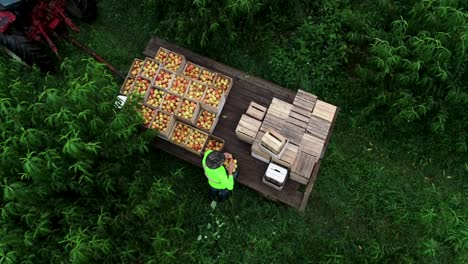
180, 133
188, 111
163, 79
162, 123
154, 97
140, 86
214, 143
192, 70
170, 60
223, 82
180, 85
149, 69
196, 91
147, 114
127, 85
207, 120
171, 103
213, 99
136, 67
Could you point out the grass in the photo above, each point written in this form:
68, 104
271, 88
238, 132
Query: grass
375, 200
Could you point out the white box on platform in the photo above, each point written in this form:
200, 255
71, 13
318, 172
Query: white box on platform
275, 176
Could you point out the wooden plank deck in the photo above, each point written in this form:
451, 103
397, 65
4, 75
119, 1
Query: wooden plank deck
245, 89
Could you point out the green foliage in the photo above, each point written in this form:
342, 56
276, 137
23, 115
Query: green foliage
69, 161
417, 72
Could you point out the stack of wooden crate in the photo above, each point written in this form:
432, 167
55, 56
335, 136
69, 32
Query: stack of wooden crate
174, 91
305, 123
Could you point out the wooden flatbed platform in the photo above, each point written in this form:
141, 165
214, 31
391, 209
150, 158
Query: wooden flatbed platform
246, 88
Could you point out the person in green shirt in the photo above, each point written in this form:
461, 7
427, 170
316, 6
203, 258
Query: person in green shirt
220, 179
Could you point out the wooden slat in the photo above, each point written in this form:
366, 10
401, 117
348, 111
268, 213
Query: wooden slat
311, 145
301, 111
293, 133
318, 127
297, 122
305, 95
324, 110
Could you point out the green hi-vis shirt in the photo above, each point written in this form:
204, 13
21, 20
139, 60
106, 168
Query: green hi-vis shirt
217, 178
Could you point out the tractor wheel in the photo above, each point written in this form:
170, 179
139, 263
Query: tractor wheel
85, 10
27, 51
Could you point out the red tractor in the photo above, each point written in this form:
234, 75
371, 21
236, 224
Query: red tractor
26, 25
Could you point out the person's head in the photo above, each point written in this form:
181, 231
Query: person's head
215, 159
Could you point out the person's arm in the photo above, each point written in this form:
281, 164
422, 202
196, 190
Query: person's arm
229, 183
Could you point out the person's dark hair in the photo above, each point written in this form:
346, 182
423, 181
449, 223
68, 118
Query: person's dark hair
215, 159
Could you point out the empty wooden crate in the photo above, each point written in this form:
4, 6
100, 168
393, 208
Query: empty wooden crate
256, 111
274, 143
247, 128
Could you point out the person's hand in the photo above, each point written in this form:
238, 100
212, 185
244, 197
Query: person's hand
227, 155
231, 167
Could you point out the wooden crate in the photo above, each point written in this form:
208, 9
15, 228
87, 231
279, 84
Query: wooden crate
127, 85
258, 153
279, 108
215, 121
226, 88
161, 55
180, 85
196, 87
191, 119
166, 86
318, 127
140, 86
312, 145
197, 148
256, 111
274, 142
305, 100
293, 133
149, 74
178, 124
324, 110
150, 94
207, 76
192, 75
222, 100
136, 67
213, 137
273, 122
165, 132
302, 167
174, 67
247, 129
288, 157
173, 109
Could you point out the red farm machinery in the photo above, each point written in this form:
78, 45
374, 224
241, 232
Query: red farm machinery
28, 26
